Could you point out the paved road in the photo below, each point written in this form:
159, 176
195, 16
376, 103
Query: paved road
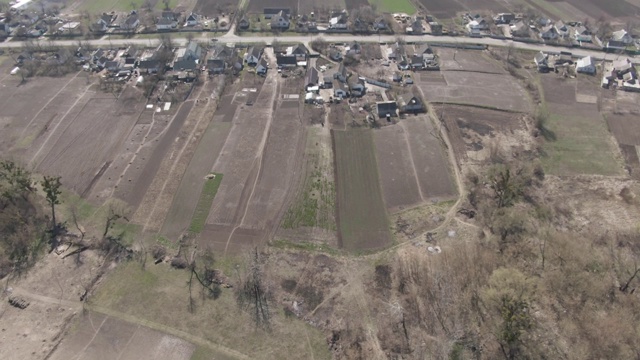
230, 37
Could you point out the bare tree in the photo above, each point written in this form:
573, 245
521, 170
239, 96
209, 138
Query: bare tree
253, 294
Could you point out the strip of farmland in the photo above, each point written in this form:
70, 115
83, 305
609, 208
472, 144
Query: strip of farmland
362, 217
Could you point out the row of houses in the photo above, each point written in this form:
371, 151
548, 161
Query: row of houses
280, 19
547, 62
407, 103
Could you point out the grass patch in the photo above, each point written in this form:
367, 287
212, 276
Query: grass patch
581, 146
172, 4
304, 246
159, 294
362, 215
315, 205
209, 190
96, 7
394, 6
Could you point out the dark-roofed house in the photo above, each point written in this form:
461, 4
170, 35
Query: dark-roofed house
262, 67
340, 90
417, 62
335, 55
311, 79
216, 65
252, 57
357, 88
326, 82
519, 29
187, 58
410, 103
299, 51
192, 20
237, 65
151, 66
582, 34
280, 21
284, 60
549, 32
131, 22
170, 15
342, 74
244, 23
387, 109
542, 61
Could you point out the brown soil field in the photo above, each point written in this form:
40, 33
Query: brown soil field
430, 161
475, 132
442, 9
99, 336
612, 8
83, 144
495, 6
488, 90
258, 6
212, 8
626, 130
201, 163
413, 167
259, 161
397, 173
468, 60
280, 168
362, 218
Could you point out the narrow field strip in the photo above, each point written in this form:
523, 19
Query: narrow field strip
209, 190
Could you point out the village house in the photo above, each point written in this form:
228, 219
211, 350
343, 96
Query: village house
620, 39
504, 18
380, 24
103, 23
192, 20
417, 62
270, 12
542, 61
187, 58
416, 27
244, 23
341, 75
262, 67
410, 103
549, 32
217, 59
335, 55
326, 82
300, 52
519, 29
582, 34
340, 90
131, 22
166, 24
170, 15
280, 21
386, 109
312, 80
396, 77
561, 29
357, 88
339, 22
586, 65
286, 61
252, 57
354, 48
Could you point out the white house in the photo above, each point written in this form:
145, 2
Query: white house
582, 34
549, 32
620, 38
586, 65
166, 24
192, 20
338, 22
280, 21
